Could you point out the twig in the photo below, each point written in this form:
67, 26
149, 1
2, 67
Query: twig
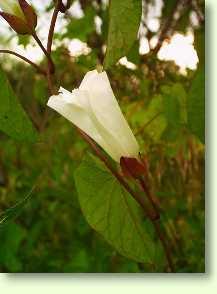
156, 224
165, 27
50, 61
38, 68
52, 26
149, 195
51, 66
164, 244
198, 11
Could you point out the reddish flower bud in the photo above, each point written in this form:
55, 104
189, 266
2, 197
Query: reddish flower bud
131, 167
16, 23
20, 16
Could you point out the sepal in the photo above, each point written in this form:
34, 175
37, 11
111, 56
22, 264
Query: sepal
29, 13
16, 23
131, 167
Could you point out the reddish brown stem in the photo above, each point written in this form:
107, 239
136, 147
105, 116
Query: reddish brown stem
38, 68
50, 61
51, 66
166, 26
166, 248
52, 26
152, 199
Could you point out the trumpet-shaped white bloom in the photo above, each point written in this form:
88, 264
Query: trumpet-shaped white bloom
12, 7
94, 109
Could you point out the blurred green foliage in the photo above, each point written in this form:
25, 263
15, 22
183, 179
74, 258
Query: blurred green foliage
165, 111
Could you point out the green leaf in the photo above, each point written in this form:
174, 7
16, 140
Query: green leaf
174, 98
82, 27
13, 212
124, 21
11, 237
196, 106
13, 119
171, 107
151, 120
112, 212
23, 40
133, 54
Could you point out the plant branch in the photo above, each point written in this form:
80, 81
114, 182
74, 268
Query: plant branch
51, 66
52, 26
154, 202
38, 68
50, 61
166, 26
164, 244
152, 199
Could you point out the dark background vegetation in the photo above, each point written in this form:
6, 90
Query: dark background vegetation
51, 233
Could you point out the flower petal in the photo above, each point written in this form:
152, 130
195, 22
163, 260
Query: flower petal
109, 118
86, 82
74, 108
12, 7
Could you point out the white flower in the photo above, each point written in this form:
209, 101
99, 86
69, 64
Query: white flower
94, 109
12, 7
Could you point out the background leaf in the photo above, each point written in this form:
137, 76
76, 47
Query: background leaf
196, 106
124, 23
112, 212
174, 105
80, 28
15, 210
13, 119
11, 236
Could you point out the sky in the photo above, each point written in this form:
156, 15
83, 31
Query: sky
179, 48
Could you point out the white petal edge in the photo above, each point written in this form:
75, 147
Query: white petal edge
64, 104
108, 113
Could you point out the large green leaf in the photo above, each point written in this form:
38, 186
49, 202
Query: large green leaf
112, 212
13, 119
124, 23
196, 106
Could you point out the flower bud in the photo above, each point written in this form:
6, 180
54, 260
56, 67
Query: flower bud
19, 15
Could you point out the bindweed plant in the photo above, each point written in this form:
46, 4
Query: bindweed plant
114, 186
